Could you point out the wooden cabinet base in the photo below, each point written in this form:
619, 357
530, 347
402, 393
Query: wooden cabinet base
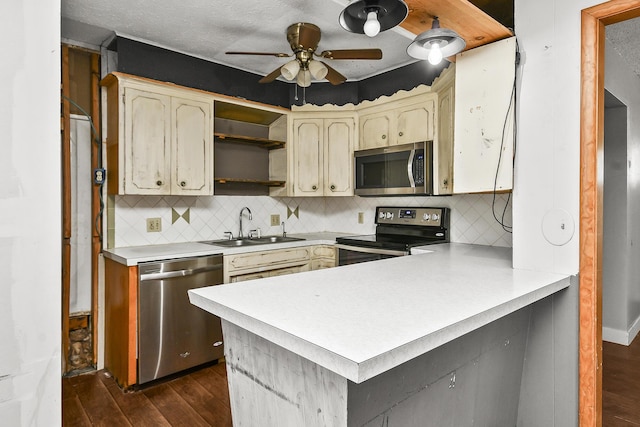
121, 303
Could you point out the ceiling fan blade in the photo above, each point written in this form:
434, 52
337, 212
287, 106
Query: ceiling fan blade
334, 77
352, 54
276, 54
271, 76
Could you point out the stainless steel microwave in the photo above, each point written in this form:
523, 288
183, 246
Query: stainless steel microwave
395, 170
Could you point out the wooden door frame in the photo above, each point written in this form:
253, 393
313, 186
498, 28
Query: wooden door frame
594, 20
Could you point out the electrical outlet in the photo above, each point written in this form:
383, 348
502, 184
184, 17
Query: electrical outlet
154, 225
275, 220
360, 217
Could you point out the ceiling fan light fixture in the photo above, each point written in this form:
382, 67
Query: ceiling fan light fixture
304, 78
436, 43
318, 70
290, 70
371, 17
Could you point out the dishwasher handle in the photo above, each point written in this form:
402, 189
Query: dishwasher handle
178, 273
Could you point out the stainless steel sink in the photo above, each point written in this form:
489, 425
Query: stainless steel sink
250, 242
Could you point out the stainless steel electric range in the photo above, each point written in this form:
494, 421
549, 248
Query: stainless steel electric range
398, 229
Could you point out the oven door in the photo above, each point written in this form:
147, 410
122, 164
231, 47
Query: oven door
348, 254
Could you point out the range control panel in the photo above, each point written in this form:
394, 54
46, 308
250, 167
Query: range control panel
411, 216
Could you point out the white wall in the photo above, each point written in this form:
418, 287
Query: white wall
547, 176
621, 287
30, 364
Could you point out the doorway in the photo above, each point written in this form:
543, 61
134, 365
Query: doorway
594, 20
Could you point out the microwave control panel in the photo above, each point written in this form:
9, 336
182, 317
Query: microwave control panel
411, 216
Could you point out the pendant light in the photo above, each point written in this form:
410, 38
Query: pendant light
370, 17
436, 43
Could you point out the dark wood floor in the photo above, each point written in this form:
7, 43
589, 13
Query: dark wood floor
621, 384
201, 397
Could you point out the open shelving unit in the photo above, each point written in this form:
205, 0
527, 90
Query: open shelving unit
246, 140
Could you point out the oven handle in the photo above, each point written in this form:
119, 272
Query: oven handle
372, 250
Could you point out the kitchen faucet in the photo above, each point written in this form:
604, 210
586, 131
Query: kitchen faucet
240, 235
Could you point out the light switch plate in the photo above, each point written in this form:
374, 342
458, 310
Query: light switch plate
154, 225
360, 217
275, 220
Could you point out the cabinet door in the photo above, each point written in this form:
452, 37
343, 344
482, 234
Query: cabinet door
308, 157
415, 122
338, 159
147, 133
192, 141
376, 130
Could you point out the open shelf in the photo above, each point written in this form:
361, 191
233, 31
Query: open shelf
260, 142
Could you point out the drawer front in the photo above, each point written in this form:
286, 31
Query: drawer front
259, 260
323, 251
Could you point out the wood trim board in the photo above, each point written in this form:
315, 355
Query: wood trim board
594, 20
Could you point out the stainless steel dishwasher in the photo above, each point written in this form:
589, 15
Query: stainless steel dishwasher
173, 334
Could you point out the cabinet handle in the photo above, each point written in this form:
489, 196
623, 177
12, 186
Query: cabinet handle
400, 134
314, 187
333, 187
183, 184
158, 183
384, 136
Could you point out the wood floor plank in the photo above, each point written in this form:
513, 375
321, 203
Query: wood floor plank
173, 407
621, 385
73, 414
100, 407
214, 380
134, 405
214, 411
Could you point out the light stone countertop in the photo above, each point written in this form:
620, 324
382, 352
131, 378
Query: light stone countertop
133, 255
361, 320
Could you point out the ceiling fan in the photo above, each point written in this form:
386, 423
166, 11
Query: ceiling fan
303, 39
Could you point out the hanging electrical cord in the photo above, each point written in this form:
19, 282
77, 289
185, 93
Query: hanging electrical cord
96, 139
512, 105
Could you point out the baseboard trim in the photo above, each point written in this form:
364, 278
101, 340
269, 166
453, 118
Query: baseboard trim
622, 337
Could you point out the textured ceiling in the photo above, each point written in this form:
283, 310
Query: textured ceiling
207, 29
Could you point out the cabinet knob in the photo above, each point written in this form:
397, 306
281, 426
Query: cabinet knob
183, 184
384, 136
314, 187
400, 134
158, 183
333, 187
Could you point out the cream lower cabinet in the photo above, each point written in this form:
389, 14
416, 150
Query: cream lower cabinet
277, 262
322, 156
159, 138
257, 265
400, 119
323, 256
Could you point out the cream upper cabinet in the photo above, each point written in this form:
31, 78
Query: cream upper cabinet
484, 118
159, 139
308, 173
322, 156
416, 121
338, 156
147, 142
192, 146
400, 119
375, 129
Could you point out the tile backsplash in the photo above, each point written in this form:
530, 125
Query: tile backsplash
186, 219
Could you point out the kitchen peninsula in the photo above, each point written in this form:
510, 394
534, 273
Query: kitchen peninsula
437, 338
